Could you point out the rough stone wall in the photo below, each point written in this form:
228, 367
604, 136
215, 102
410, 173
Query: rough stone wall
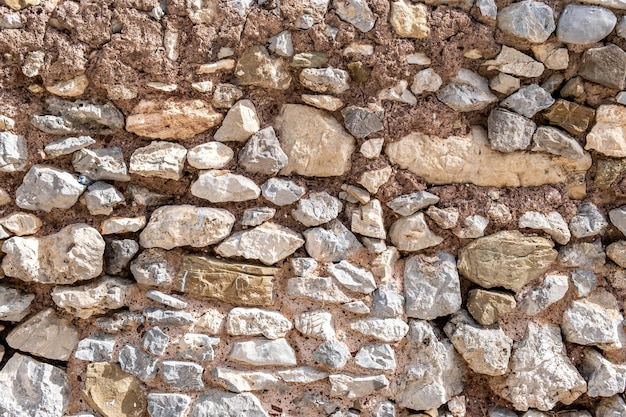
312, 207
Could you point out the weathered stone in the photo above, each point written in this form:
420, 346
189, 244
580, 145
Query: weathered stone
387, 302
5, 198
256, 67
541, 373
551, 223
487, 307
281, 44
221, 280
379, 356
172, 119
374, 179
504, 83
312, 59
506, 259
473, 227
508, 132
137, 362
21, 224
269, 243
13, 152
263, 352
211, 321
317, 209
281, 192
315, 143
511, 61
227, 404
220, 186
155, 341
385, 330
112, 392
120, 321
262, 153
20, 4
332, 243
45, 188
325, 80
257, 215
159, 159
436, 372
332, 353
615, 405
14, 305
551, 290
101, 197
486, 350
352, 277
167, 404
570, 116
466, 91
197, 347
573, 88
152, 267
608, 135
315, 323
552, 55
361, 122
254, 322
45, 334
96, 348
584, 282
316, 288
585, 24
79, 117
182, 375
101, 164
69, 88
583, 255
604, 379
32, 388
605, 65
74, 253
323, 102
431, 286
445, 218
304, 266
426, 80
240, 123
144, 197
588, 221
185, 225
241, 381
108, 293
399, 92
211, 155
121, 225
528, 100
348, 386
225, 95
409, 20
556, 142
528, 20
355, 12
159, 316
413, 234
368, 220
302, 375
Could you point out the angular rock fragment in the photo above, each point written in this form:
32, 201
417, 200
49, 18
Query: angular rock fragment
21, 224
605, 65
332, 353
309, 59
466, 91
256, 216
473, 227
325, 80
608, 135
580, 24
315, 323
262, 153
348, 386
121, 225
355, 12
263, 352
387, 302
511, 61
385, 330
409, 20
44, 188
211, 155
137, 362
528, 100
352, 277
529, 20
486, 307
159, 159
508, 131
221, 186
408, 204
504, 83
361, 122
379, 356
317, 209
413, 234
551, 290
101, 197
167, 404
302, 375
572, 117
445, 218
120, 321
556, 142
551, 223
63, 117
108, 293
552, 55
112, 392
374, 179
240, 123
281, 192
227, 404
281, 44
96, 348
316, 288
159, 316
101, 164
155, 341
13, 152
367, 220
256, 67
152, 267
331, 244
241, 381
14, 305
426, 80
611, 407
604, 379
197, 347
182, 375
254, 322
322, 101
588, 221
583, 255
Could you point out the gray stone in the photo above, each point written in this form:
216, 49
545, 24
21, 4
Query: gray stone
332, 353
431, 286
380, 356
159, 159
473, 227
348, 386
101, 164
182, 375
315, 323
45, 188
605, 65
584, 282
144, 197
214, 402
137, 362
118, 254
67, 146
152, 268
96, 348
362, 122
445, 218
107, 293
551, 290
263, 352
45, 334
332, 243
487, 9
508, 131
79, 117
197, 347
304, 266
281, 44
166, 299
254, 321
387, 302
355, 12
385, 330
616, 252
541, 373
167, 404
240, 123
583, 255
585, 24
614, 406
511, 61
281, 192
222, 186
485, 349
13, 152
426, 80
317, 209
588, 221
528, 100
256, 216
316, 288
368, 221
14, 304
556, 142
159, 316
262, 153
604, 379
408, 204
155, 341
529, 20
241, 381
352, 277
466, 91
325, 80
225, 95
620, 29
121, 321
101, 197
211, 155
618, 218
32, 388
302, 375
256, 67
412, 234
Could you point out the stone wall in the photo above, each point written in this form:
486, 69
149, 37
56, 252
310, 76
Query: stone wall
312, 208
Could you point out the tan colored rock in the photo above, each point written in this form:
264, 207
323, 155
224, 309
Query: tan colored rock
70, 88
459, 159
112, 392
409, 20
315, 142
159, 159
257, 67
412, 234
323, 102
374, 179
74, 253
20, 4
368, 220
109, 293
120, 225
608, 136
511, 61
172, 119
506, 259
21, 224
45, 334
240, 123
5, 198
488, 306
233, 282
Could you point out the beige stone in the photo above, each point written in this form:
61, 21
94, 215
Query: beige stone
323, 102
412, 234
374, 179
409, 20
112, 392
463, 159
608, 136
552, 55
70, 88
368, 220
240, 123
21, 224
172, 119
315, 143
487, 307
506, 259
20, 4
257, 67
109, 293
511, 61
120, 225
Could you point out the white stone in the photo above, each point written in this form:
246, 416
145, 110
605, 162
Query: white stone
323, 102
374, 179
316, 209
211, 155
604, 379
242, 381
254, 321
14, 305
315, 323
21, 224
73, 87
45, 188
281, 44
332, 243
263, 352
240, 123
282, 192
588, 221
368, 220
413, 234
221, 65
608, 135
466, 91
513, 62
302, 375
13, 152
551, 290
551, 223
379, 356
385, 330
159, 159
504, 83
67, 146
556, 142
108, 293
473, 227
446, 218
221, 186
419, 58
352, 277
426, 80
399, 92
529, 20
325, 80
121, 225
371, 148
355, 12
580, 24
316, 288
552, 55
348, 386
101, 198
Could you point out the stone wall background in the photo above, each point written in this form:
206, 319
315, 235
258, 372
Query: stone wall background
313, 137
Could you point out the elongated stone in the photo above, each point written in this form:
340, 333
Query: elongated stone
608, 135
263, 352
45, 187
221, 186
348, 386
580, 24
227, 404
605, 65
254, 322
386, 330
317, 288
108, 293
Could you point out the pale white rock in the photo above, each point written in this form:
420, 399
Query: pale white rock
21, 224
354, 194
614, 4
316, 288
121, 225
242, 381
227, 404
257, 215
616, 252
73, 87
186, 225
11, 21
504, 83
399, 92
33, 63
211, 155
221, 65
446, 218
182, 375
614, 406
32, 388
385, 330
371, 148
166, 299
409, 20
552, 223
355, 12
13, 152
431, 286
263, 352
618, 218
316, 209
608, 135
269, 243
379, 356
170, 41
426, 80
316, 144
332, 243
101, 164
221, 186
473, 227
508, 131
513, 62
541, 373
348, 386
435, 373
315, 323
356, 307
67, 146
304, 266
254, 321
225, 95
323, 102
167, 404
96, 348
413, 234
120, 92
529, 20
202, 86
556, 142
621, 96
374, 179
302, 375
552, 55
588, 255
45, 334
359, 48
579, 24
6, 123
473, 54
551, 290
368, 220
74, 253
159, 159
332, 354
588, 221
352, 277
466, 91
604, 378
584, 282
419, 58
240, 123
14, 305
488, 9
108, 293
281, 192
101, 198
325, 80
485, 349
211, 321
281, 44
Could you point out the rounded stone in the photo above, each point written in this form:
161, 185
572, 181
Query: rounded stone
585, 24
